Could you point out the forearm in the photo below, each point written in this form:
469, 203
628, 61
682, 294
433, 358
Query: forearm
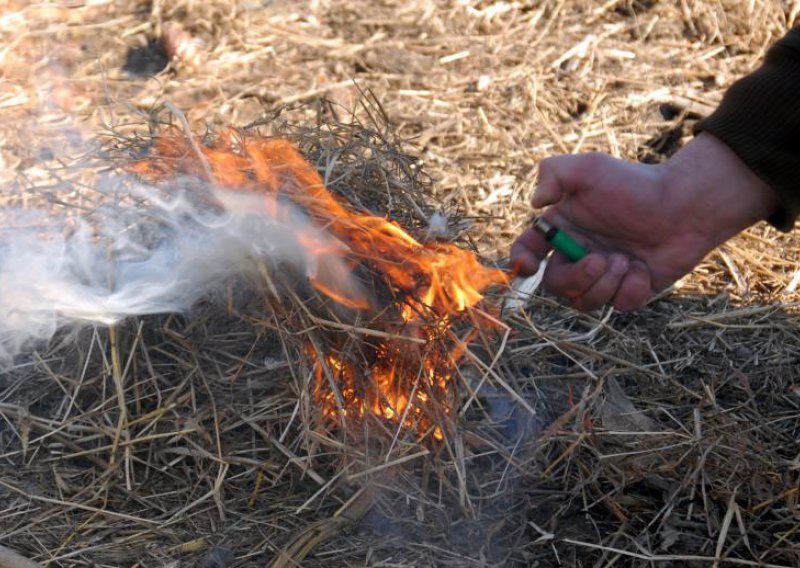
759, 120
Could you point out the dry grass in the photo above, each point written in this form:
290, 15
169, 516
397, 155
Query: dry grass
667, 437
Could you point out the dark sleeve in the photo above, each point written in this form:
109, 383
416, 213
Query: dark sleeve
759, 119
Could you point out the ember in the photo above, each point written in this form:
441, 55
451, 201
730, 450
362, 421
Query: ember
431, 285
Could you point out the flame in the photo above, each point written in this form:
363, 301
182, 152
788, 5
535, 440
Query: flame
434, 282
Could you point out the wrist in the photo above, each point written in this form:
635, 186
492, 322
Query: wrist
713, 192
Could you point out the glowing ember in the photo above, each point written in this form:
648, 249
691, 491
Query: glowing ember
408, 379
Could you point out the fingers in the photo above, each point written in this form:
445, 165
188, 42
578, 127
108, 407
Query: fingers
548, 187
605, 288
635, 290
561, 175
574, 279
597, 281
527, 252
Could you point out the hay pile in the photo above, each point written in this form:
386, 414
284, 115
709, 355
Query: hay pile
668, 435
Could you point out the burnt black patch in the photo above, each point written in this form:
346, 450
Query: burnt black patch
635, 7
146, 60
664, 144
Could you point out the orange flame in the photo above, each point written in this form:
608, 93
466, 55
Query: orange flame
435, 282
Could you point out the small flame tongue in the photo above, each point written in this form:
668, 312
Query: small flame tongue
436, 281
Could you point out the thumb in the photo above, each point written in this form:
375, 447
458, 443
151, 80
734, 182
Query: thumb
560, 176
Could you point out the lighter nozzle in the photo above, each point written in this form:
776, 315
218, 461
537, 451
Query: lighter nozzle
542, 224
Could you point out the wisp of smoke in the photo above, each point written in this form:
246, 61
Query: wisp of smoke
161, 255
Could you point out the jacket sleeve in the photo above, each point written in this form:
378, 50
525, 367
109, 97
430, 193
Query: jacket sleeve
759, 119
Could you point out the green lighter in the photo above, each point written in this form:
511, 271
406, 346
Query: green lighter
560, 240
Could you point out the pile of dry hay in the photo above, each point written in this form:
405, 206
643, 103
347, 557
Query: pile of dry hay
196, 436
667, 435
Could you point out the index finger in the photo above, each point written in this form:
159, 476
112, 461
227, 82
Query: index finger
528, 250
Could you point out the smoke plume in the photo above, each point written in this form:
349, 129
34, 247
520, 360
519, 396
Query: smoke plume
161, 252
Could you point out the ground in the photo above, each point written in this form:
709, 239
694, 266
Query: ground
662, 437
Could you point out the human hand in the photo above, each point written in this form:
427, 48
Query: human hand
644, 225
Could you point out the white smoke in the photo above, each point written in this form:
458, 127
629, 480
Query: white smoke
160, 254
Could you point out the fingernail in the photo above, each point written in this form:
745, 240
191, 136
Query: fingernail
594, 267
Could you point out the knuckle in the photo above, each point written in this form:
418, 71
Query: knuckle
588, 164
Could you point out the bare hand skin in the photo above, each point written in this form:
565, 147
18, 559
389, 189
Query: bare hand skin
644, 225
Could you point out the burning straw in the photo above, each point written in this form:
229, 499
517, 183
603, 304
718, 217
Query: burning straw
402, 366
380, 320
238, 205
303, 391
